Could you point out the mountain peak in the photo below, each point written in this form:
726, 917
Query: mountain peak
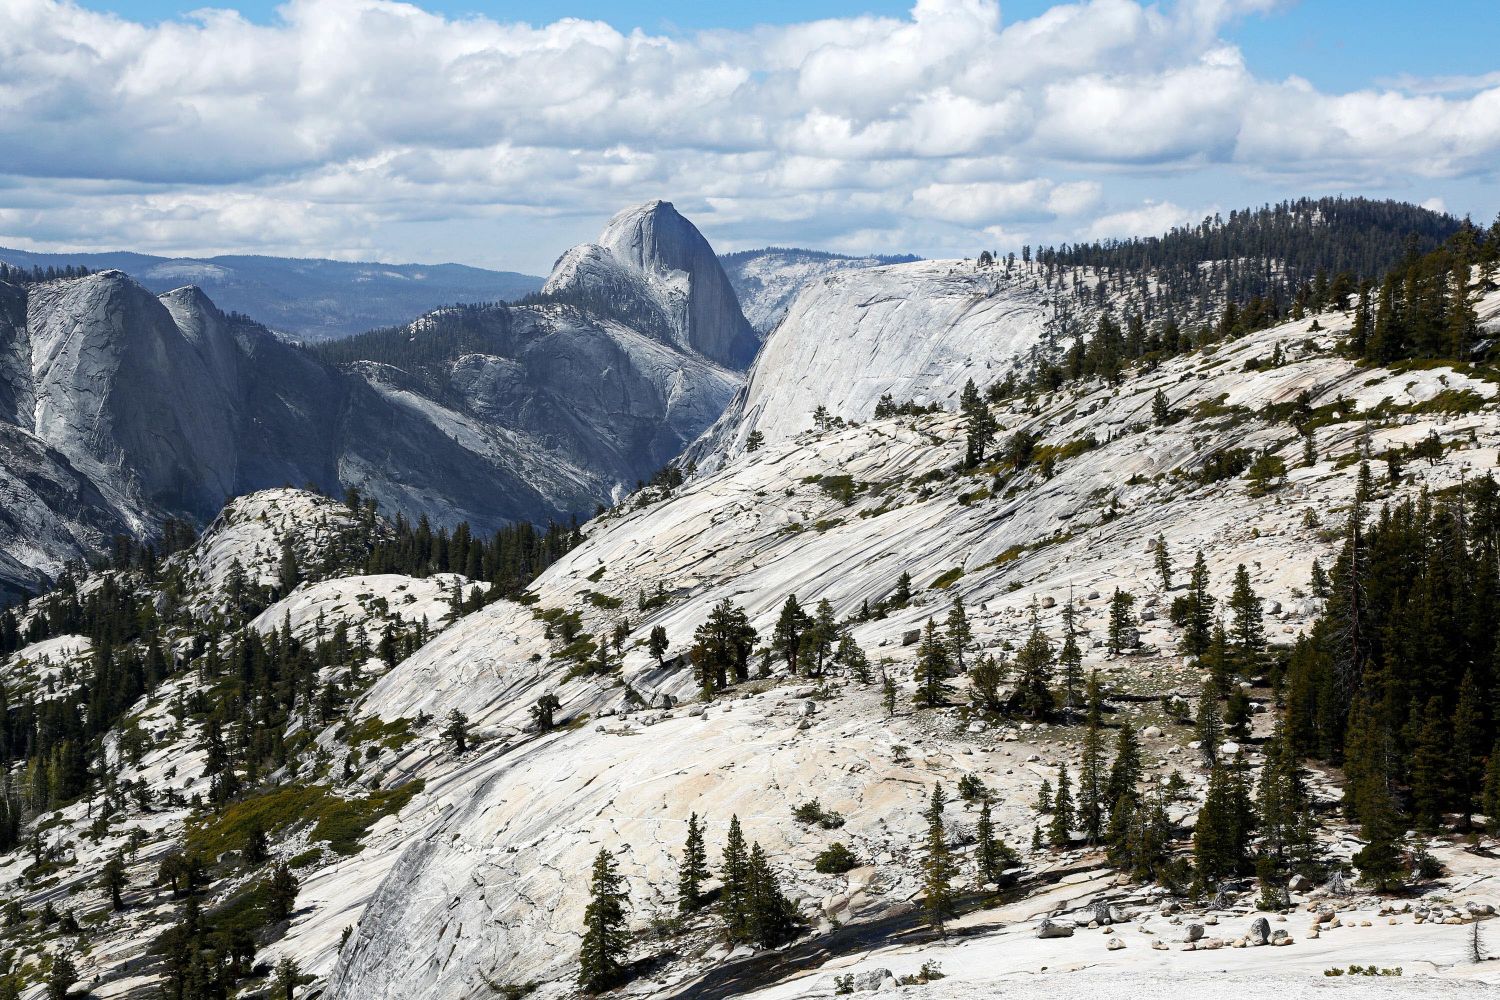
652, 255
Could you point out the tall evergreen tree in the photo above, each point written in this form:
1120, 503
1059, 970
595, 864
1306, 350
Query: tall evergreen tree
693, 871
932, 668
938, 867
1060, 830
601, 958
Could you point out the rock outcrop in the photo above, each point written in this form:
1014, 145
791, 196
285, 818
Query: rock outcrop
654, 270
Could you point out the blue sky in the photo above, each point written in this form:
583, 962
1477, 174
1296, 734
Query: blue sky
1343, 44
366, 129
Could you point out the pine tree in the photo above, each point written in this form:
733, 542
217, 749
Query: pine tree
656, 644
1161, 410
960, 634
888, 695
1221, 834
693, 871
288, 976
788, 634
1379, 861
112, 878
1210, 726
1163, 562
1034, 666
1060, 832
1429, 767
979, 425
734, 901
1194, 611
457, 731
601, 957
1249, 632
1092, 786
932, 668
991, 854
1121, 622
771, 918
544, 712
819, 639
1470, 738
1125, 772
62, 978
938, 868
279, 893
984, 684
1070, 657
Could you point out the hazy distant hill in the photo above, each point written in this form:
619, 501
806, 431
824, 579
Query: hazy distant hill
309, 299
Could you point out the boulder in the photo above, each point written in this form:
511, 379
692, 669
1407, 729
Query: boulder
1260, 932
872, 980
1479, 909
911, 636
1115, 944
1192, 932
1050, 928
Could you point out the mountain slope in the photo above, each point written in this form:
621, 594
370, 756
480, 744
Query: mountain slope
766, 281
162, 406
658, 272
309, 299
528, 811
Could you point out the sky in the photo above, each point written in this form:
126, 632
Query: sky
499, 134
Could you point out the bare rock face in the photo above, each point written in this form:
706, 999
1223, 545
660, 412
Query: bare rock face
653, 270
122, 408
915, 331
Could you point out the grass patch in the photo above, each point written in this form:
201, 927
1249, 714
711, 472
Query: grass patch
604, 601
339, 821
948, 578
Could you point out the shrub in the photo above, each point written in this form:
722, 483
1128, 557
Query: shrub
836, 859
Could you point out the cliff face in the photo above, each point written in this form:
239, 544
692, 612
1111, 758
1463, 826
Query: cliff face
121, 407
654, 266
914, 331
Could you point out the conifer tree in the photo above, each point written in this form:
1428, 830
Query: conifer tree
656, 644
1070, 657
789, 629
1470, 736
601, 956
1125, 771
112, 878
771, 918
1034, 667
991, 854
1163, 561
457, 731
1060, 831
1092, 786
1220, 836
1194, 612
734, 902
888, 695
979, 425
1121, 622
693, 871
932, 668
960, 633
1249, 631
1161, 410
938, 868
984, 684
1210, 725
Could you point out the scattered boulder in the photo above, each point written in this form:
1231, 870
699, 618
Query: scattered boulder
1151, 732
1192, 932
1050, 928
911, 636
1115, 944
1480, 909
872, 980
1260, 932
1280, 937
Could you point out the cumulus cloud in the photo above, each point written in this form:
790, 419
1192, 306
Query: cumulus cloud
345, 124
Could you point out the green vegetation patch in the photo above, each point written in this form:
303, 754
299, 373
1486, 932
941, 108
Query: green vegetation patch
948, 578
339, 821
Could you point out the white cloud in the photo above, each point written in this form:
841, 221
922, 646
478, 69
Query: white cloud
346, 122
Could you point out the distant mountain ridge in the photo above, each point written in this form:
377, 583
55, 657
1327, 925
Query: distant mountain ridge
307, 299
120, 408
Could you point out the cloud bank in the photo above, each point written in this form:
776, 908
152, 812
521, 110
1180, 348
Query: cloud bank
373, 128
